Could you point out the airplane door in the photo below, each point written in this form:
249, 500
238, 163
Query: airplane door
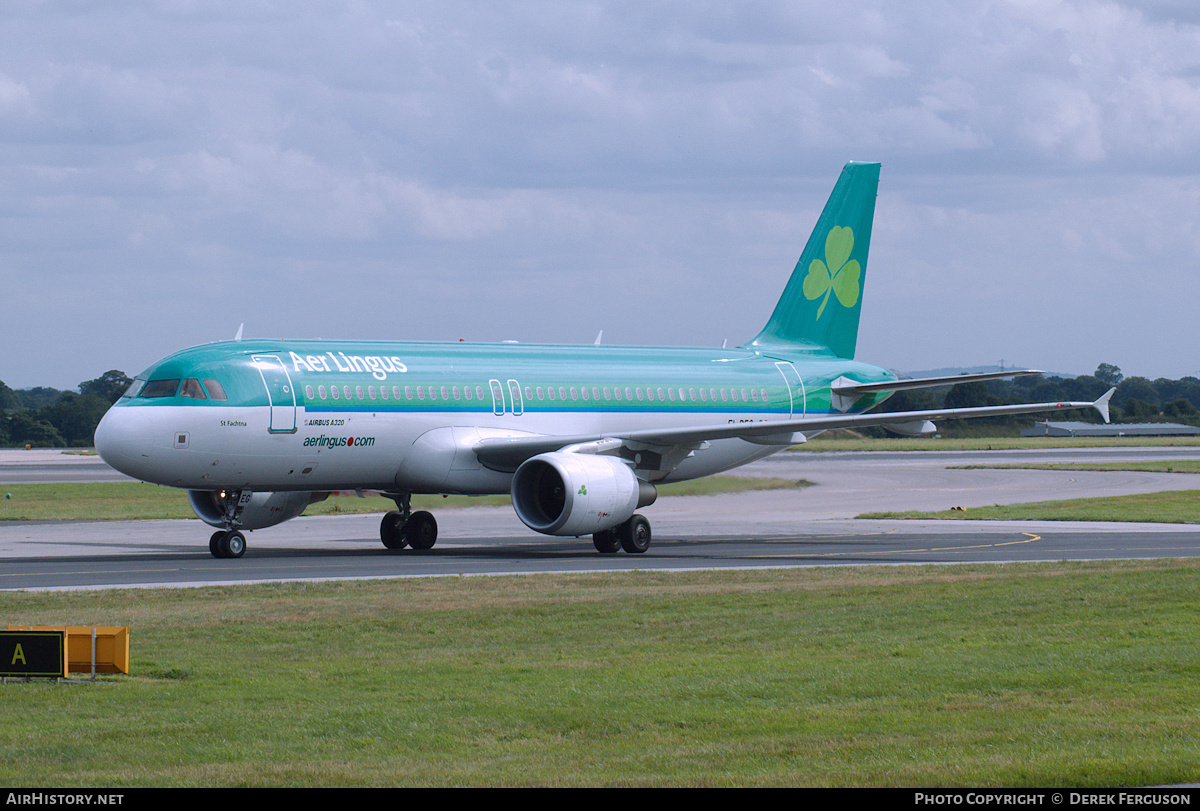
497, 398
518, 403
795, 387
279, 392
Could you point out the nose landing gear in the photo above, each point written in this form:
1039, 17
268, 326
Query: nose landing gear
230, 542
227, 543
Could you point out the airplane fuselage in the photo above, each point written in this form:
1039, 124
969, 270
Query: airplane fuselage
404, 417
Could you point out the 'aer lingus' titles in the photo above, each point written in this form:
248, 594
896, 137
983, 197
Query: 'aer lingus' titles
379, 366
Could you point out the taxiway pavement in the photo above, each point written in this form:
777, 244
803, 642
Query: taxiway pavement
793, 527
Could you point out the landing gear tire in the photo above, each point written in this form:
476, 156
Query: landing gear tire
421, 530
634, 534
606, 541
391, 531
233, 544
227, 544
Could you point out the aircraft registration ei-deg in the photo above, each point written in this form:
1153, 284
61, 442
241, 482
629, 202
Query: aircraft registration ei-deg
580, 436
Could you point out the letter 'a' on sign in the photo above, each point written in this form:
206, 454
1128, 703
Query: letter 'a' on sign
33, 653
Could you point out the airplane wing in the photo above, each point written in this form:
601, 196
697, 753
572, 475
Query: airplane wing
507, 453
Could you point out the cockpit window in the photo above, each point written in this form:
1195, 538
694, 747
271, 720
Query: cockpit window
191, 388
134, 388
160, 388
215, 389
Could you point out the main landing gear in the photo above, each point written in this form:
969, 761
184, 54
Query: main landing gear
403, 527
633, 536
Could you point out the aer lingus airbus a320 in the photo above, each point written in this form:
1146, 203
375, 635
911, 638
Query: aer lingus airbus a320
579, 435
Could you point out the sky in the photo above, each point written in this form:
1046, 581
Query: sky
542, 171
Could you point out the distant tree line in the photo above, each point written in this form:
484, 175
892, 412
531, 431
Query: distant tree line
50, 418
44, 417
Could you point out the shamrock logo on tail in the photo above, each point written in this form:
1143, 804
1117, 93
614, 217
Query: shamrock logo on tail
835, 274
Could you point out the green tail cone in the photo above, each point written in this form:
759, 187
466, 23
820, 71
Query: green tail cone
819, 307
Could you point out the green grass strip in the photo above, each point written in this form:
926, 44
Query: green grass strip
1039, 675
1170, 507
822, 443
1156, 466
133, 501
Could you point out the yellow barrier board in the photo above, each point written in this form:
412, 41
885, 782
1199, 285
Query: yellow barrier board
110, 645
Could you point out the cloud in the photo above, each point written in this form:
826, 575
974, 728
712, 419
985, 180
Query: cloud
445, 169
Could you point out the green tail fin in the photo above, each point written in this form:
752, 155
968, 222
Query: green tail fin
819, 307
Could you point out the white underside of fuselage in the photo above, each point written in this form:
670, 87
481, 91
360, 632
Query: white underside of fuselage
213, 448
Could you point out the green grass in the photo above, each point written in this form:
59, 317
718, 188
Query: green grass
1067, 674
822, 443
1157, 466
133, 501
1169, 507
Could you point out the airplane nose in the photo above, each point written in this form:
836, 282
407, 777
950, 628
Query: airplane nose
122, 441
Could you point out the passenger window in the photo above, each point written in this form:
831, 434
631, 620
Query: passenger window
160, 388
215, 390
191, 388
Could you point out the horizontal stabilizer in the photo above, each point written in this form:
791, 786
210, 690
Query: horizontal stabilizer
905, 384
844, 391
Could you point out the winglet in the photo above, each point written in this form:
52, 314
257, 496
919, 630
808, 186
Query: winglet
1101, 405
238, 337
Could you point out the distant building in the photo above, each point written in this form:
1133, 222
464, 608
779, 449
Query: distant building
1129, 429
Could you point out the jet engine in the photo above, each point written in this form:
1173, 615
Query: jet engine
577, 494
265, 509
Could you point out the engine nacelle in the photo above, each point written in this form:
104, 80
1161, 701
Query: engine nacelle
576, 494
264, 510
